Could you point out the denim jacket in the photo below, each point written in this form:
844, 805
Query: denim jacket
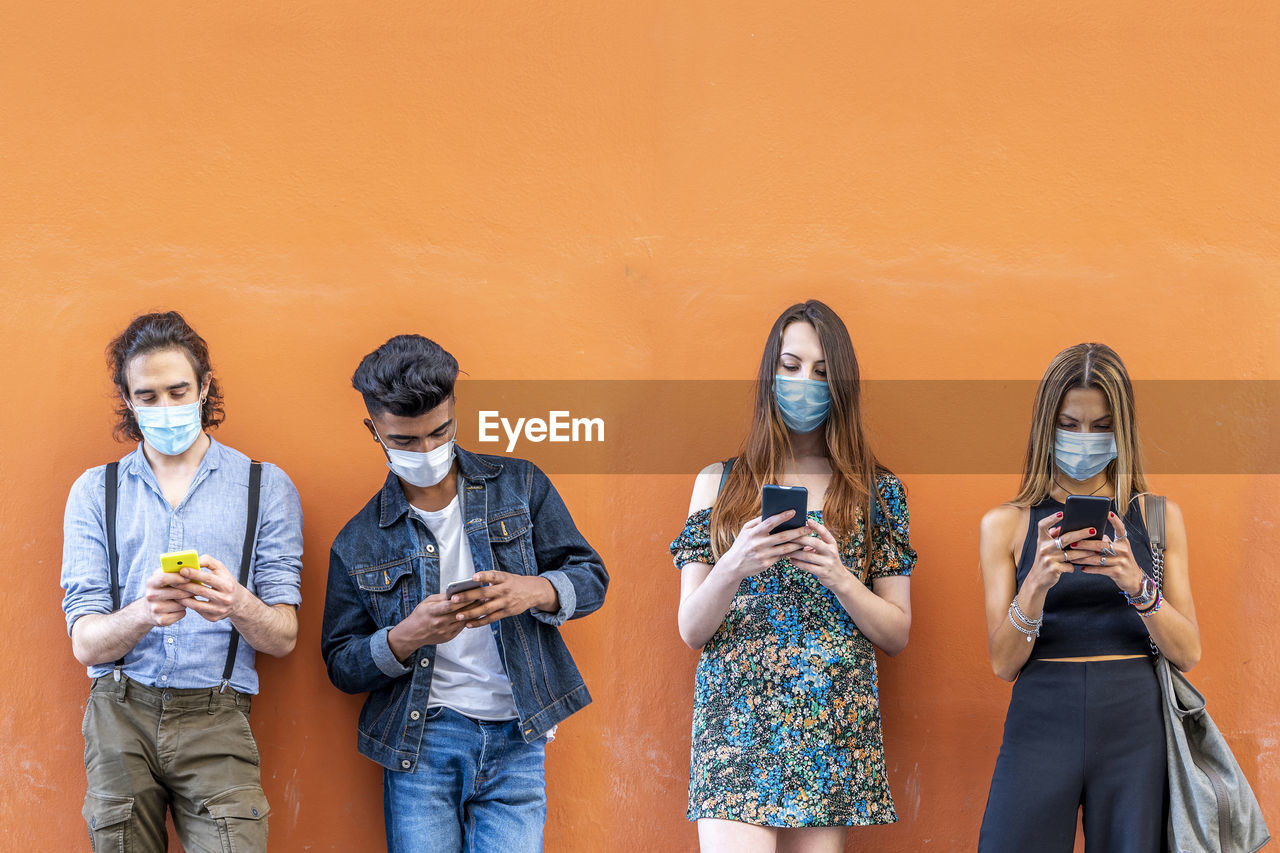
385, 561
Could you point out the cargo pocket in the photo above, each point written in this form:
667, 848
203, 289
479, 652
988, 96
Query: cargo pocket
241, 816
108, 820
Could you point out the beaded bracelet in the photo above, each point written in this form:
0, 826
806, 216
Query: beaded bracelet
1146, 613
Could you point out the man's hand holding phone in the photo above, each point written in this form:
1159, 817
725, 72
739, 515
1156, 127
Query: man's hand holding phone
503, 594
432, 622
164, 598
220, 593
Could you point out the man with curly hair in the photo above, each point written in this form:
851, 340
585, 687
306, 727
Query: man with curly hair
171, 653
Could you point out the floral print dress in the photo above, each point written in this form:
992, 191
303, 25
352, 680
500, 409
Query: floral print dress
786, 713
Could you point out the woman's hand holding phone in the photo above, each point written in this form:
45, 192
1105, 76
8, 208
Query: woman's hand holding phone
756, 549
819, 555
1052, 562
1110, 557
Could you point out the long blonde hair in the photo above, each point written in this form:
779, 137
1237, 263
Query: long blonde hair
1083, 366
767, 447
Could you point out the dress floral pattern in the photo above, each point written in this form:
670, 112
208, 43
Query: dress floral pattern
786, 713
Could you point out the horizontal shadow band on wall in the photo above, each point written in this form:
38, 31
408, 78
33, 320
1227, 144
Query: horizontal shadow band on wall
916, 426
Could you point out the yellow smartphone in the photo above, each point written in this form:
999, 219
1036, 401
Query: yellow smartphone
176, 561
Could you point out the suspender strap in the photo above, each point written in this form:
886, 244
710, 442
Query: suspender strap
246, 560
113, 554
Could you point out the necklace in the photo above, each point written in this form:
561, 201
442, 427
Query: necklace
1068, 491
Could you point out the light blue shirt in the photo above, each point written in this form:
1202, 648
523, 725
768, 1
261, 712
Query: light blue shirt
210, 519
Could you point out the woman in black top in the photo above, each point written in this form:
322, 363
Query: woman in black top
1073, 620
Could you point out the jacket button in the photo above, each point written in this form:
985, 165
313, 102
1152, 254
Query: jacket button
255, 812
431, 549
413, 715
406, 763
425, 662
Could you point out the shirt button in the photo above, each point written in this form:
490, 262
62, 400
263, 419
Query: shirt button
406, 764
164, 678
425, 662
413, 715
169, 641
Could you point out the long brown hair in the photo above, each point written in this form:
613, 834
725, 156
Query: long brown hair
767, 447
1083, 366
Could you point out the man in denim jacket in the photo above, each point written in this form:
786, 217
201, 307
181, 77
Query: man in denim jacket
464, 689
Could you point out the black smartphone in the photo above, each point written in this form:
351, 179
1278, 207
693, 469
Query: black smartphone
1085, 511
776, 499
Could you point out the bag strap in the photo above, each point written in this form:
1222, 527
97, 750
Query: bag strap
1155, 532
113, 554
1154, 506
724, 475
246, 560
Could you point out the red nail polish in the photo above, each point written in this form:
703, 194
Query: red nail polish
1059, 515
1092, 531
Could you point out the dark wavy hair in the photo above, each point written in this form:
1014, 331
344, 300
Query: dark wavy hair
407, 376
153, 333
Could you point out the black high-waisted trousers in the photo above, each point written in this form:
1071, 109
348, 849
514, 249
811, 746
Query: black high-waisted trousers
1080, 734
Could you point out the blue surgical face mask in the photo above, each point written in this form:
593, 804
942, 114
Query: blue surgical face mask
170, 429
804, 403
1082, 455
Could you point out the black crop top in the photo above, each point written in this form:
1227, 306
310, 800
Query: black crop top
1086, 614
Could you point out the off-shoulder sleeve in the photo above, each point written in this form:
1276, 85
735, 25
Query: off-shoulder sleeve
693, 545
891, 551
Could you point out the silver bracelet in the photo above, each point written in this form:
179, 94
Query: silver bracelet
1017, 611
1030, 633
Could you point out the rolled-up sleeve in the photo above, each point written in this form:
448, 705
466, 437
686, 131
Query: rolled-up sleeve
383, 656
86, 571
563, 555
277, 563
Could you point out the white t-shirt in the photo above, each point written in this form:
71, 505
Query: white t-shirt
468, 676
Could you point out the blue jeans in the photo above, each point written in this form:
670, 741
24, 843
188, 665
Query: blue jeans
478, 787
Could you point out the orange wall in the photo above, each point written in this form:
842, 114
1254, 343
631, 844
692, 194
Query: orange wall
626, 191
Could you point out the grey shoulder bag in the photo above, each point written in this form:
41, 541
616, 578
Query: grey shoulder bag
1212, 809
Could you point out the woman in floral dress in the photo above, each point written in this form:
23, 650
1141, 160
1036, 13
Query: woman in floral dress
787, 751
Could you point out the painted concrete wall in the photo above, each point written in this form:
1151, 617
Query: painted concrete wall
628, 191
